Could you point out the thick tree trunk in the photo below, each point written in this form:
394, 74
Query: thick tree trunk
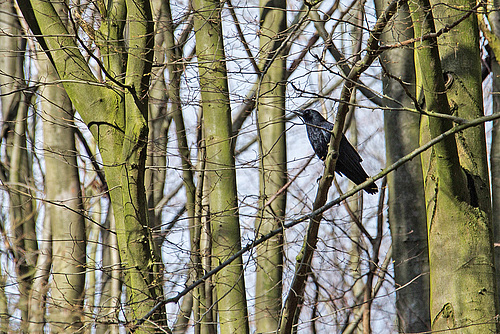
456, 175
407, 216
494, 19
118, 120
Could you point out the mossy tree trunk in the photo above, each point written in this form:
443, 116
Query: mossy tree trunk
494, 19
220, 167
273, 170
64, 205
456, 175
407, 215
116, 114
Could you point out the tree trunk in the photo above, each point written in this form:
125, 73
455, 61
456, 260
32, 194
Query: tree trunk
273, 170
111, 280
15, 107
40, 283
456, 175
64, 207
118, 120
494, 19
407, 216
159, 122
229, 282
22, 210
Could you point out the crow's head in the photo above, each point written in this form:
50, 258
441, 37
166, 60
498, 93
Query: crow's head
310, 116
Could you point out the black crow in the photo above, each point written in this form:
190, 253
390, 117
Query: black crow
348, 162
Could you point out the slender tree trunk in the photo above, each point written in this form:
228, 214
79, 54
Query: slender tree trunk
220, 167
22, 211
40, 283
158, 121
355, 253
93, 209
111, 280
356, 202
15, 107
4, 308
273, 170
12, 66
456, 175
64, 207
173, 56
407, 216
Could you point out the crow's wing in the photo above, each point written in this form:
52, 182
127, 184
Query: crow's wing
319, 138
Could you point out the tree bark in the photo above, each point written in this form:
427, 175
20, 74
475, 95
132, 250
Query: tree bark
494, 19
15, 106
220, 167
116, 114
273, 166
407, 217
64, 207
456, 176
111, 280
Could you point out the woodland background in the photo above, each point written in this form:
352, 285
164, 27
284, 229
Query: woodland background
154, 179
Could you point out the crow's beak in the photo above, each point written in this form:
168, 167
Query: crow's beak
297, 112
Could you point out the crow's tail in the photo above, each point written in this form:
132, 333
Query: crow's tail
349, 164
